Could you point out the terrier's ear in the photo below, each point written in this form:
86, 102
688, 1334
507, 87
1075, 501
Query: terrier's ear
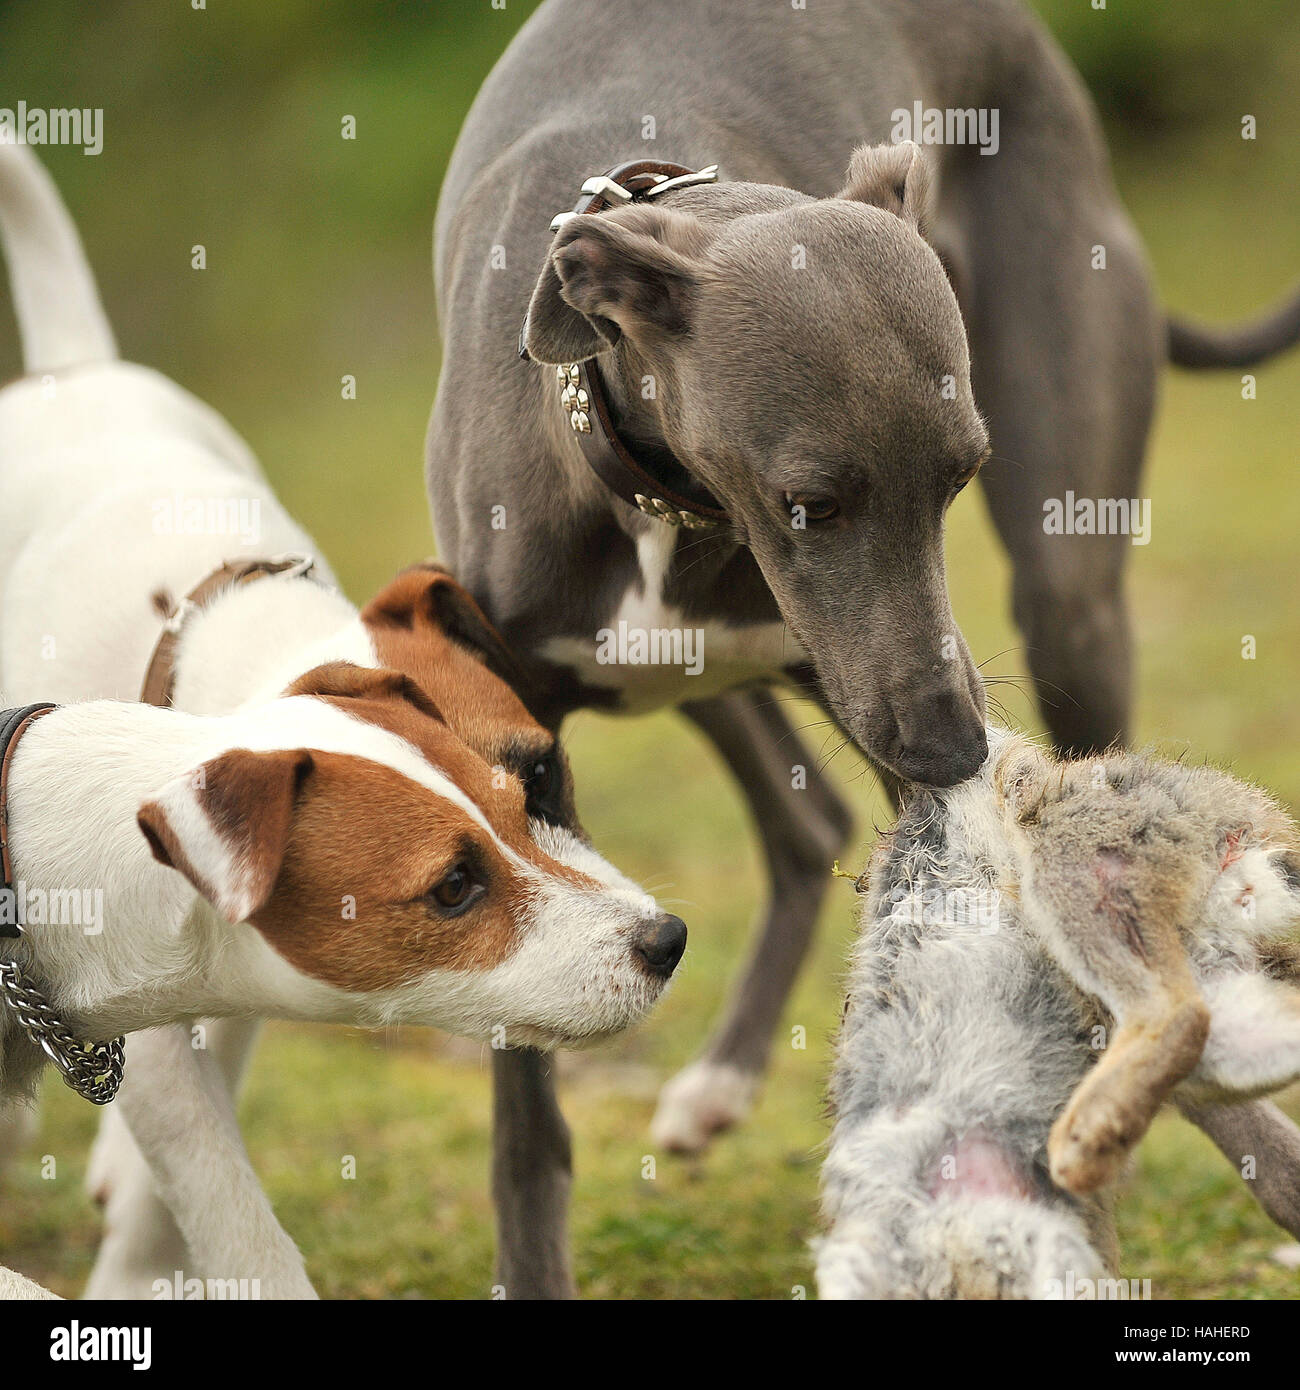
893, 177
428, 601
226, 825
344, 680
634, 273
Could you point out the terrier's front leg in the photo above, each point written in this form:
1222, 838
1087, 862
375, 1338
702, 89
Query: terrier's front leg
203, 1173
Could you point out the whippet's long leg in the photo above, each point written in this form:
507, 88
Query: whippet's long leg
141, 1241
532, 1164
1263, 1145
802, 832
1064, 337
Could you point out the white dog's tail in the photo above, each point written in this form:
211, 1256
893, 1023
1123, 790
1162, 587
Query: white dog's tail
60, 319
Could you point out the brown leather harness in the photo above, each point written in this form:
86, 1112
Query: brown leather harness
583, 396
160, 675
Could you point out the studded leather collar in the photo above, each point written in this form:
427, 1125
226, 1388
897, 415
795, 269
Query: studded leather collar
582, 395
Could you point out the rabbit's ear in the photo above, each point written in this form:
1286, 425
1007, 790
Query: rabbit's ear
1020, 779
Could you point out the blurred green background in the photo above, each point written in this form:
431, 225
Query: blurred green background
223, 128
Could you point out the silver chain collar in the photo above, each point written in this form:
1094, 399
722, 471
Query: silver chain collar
93, 1070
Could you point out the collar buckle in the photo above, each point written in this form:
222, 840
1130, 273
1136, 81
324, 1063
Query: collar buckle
582, 391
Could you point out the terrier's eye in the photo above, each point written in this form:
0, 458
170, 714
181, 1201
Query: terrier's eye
543, 787
815, 507
539, 780
456, 890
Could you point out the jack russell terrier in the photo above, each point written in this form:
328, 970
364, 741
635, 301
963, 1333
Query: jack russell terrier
1049, 952
99, 462
354, 862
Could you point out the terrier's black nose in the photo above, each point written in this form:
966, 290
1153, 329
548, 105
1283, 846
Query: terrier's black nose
660, 944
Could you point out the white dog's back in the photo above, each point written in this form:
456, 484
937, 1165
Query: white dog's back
106, 468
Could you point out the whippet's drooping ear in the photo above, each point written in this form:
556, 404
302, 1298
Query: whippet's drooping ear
633, 272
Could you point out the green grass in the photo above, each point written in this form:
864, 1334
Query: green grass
319, 265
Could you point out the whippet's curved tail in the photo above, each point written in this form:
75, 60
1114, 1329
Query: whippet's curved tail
60, 318
1234, 345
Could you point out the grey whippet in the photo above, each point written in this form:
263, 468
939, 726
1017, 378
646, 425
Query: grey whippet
790, 338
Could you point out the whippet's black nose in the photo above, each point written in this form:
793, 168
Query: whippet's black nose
943, 739
660, 944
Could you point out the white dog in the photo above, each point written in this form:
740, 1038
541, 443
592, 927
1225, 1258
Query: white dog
348, 792
117, 495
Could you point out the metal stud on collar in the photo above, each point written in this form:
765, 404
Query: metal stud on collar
601, 185
665, 511
582, 393
576, 404
573, 399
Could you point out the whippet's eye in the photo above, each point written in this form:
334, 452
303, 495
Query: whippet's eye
967, 474
812, 506
963, 478
456, 890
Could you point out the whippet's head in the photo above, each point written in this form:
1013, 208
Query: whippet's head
810, 365
383, 859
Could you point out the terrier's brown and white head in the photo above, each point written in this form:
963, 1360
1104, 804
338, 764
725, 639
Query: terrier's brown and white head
380, 856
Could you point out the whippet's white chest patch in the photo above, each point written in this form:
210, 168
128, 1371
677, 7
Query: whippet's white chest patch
654, 655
